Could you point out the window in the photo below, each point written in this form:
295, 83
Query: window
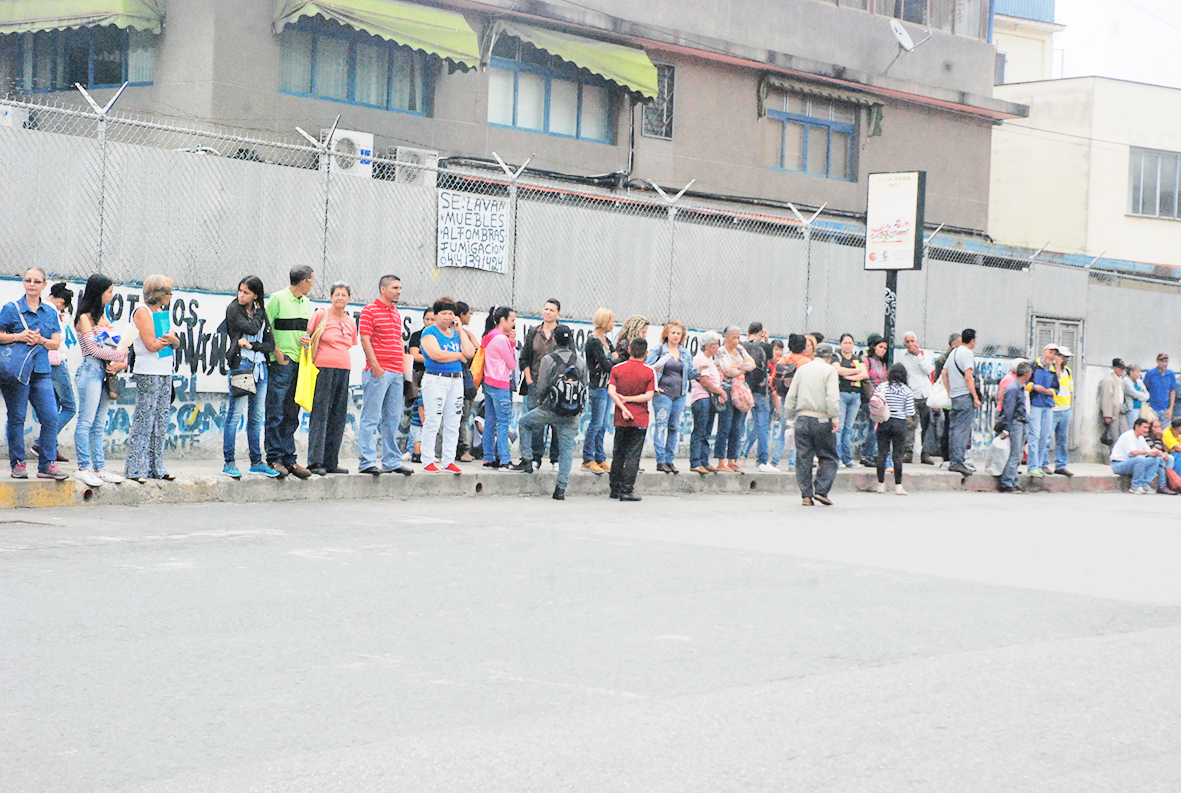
816, 135
1067, 332
658, 115
98, 57
1153, 183
530, 89
334, 62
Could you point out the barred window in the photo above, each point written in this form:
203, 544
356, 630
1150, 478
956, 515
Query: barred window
1153, 183
658, 115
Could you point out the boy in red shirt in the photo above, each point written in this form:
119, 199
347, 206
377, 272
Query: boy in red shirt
631, 388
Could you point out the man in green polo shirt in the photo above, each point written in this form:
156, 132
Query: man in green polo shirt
289, 311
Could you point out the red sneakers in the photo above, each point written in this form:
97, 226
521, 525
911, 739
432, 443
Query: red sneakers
453, 469
431, 468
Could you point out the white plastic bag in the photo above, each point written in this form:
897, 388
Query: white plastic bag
998, 455
939, 399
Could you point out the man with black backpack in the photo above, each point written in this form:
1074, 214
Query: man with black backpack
561, 387
758, 348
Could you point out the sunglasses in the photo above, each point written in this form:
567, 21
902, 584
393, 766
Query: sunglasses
33, 281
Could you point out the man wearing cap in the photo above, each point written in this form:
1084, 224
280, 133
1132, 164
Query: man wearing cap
1044, 386
1161, 383
814, 400
531, 426
1111, 402
1062, 412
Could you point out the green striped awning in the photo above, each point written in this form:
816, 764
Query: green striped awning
28, 16
432, 30
874, 104
627, 67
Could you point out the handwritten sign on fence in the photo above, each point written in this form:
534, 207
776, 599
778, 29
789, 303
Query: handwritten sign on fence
473, 231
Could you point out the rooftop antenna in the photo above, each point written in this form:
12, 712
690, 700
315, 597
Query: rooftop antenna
905, 42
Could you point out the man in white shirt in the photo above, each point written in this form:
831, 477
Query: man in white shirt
960, 382
919, 368
1132, 456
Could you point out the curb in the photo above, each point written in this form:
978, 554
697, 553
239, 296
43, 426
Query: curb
213, 489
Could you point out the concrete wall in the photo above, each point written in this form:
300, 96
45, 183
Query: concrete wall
1028, 47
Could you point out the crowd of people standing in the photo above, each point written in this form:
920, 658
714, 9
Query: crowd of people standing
801, 397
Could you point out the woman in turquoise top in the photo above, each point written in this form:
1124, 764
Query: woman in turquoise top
444, 348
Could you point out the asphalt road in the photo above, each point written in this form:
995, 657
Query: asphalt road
938, 642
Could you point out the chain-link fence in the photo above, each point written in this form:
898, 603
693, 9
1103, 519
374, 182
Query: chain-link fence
86, 191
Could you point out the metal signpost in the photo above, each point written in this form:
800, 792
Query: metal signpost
894, 234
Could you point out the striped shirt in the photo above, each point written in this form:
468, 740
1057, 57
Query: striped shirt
383, 325
898, 398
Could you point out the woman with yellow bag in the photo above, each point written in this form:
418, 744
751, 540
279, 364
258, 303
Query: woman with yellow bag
334, 334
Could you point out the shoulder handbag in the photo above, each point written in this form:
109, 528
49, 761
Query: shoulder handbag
741, 396
16, 358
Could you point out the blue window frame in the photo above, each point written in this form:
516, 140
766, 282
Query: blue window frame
530, 89
333, 62
816, 135
96, 57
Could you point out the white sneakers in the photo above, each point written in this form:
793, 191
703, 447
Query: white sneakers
89, 477
767, 468
881, 487
899, 490
95, 478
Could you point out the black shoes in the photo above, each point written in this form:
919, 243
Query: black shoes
403, 470
825, 500
629, 497
1064, 472
338, 470
1010, 489
961, 469
319, 470
667, 468
615, 494
559, 494
523, 467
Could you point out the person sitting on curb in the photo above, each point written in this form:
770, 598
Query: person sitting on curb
1013, 420
1131, 456
561, 394
815, 403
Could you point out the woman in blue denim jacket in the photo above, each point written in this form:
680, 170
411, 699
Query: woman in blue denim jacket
673, 365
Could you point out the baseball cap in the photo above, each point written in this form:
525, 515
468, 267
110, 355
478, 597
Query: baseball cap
1066, 352
825, 350
1050, 346
562, 334
1164, 356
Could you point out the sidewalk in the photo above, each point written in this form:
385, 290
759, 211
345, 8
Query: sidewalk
200, 481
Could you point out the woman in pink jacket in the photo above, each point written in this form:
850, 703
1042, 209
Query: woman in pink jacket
500, 361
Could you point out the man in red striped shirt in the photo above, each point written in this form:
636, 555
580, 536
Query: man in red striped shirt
382, 380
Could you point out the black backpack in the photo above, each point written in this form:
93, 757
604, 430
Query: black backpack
756, 378
781, 380
568, 394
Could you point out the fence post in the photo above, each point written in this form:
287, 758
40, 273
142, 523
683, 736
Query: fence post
672, 238
325, 150
807, 224
101, 113
513, 176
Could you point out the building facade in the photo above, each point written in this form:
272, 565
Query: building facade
1023, 32
791, 101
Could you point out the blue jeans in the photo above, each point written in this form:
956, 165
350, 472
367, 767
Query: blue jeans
703, 424
498, 413
255, 407
730, 423
63, 391
760, 428
850, 404
38, 391
596, 430
666, 426
282, 412
92, 414
1061, 436
1141, 468
869, 449
381, 404
564, 429
1041, 431
959, 430
1016, 444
